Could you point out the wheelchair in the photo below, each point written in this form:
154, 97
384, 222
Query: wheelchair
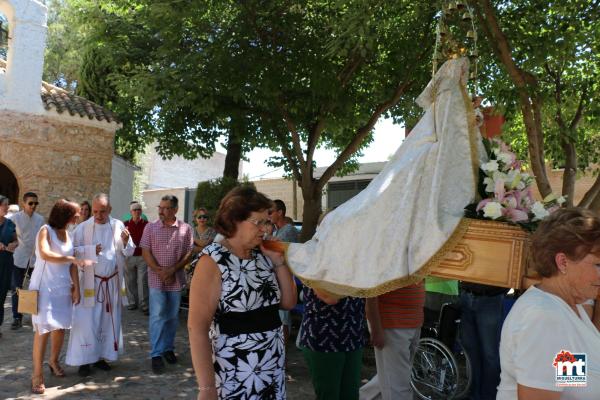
441, 369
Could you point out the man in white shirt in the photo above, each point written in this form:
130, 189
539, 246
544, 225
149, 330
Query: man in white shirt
28, 223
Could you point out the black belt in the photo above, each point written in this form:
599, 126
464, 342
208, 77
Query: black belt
259, 320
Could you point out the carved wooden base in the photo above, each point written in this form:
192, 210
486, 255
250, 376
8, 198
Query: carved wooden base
491, 253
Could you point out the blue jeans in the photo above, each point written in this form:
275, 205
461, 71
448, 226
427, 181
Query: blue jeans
6, 272
164, 318
481, 320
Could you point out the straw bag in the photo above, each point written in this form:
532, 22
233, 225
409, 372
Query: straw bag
28, 299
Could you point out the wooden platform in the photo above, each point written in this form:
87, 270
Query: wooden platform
491, 253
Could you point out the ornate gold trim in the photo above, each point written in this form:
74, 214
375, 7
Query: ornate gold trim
472, 137
435, 260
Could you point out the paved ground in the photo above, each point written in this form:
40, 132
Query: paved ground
131, 377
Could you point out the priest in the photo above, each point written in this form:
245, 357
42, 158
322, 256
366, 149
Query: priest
96, 335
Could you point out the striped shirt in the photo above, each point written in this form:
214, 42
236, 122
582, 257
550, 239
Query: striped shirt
402, 308
168, 244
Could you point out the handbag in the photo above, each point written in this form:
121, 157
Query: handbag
28, 299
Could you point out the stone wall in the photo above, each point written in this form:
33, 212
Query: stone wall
55, 157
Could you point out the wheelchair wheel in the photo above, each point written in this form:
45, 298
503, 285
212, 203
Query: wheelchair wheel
435, 373
465, 373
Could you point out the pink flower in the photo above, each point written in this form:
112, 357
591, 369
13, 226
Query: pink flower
515, 215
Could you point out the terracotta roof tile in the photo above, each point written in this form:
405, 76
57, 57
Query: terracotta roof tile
61, 100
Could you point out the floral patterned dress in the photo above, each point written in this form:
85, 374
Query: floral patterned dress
247, 365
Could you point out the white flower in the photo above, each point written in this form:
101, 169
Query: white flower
499, 176
490, 166
492, 210
539, 211
561, 200
505, 158
489, 185
521, 185
496, 150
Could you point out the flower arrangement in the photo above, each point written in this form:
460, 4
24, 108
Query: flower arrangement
508, 195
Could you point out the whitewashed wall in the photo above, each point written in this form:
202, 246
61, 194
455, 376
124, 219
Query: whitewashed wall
121, 186
20, 83
179, 172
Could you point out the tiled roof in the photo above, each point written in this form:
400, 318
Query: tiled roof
61, 100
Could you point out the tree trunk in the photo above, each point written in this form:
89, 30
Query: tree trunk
595, 206
593, 194
311, 212
570, 173
527, 87
233, 156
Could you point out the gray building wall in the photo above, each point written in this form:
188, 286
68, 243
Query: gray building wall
121, 186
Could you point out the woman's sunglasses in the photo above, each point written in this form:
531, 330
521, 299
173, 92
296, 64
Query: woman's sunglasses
201, 216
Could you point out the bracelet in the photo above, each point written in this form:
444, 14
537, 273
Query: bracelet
205, 388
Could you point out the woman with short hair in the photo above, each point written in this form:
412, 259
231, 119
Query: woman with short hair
237, 291
56, 279
548, 324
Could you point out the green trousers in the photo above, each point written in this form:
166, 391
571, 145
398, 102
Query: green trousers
335, 376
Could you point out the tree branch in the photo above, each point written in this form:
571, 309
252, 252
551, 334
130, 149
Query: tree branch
591, 194
526, 85
297, 147
287, 153
579, 113
362, 133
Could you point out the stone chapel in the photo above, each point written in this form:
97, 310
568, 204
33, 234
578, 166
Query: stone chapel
51, 142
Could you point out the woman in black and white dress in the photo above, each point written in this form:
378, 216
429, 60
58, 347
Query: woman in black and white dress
235, 296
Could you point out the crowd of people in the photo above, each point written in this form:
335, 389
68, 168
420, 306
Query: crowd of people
88, 266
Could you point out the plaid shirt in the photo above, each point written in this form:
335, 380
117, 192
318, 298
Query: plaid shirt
168, 244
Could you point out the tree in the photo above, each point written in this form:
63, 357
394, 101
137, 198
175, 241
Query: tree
546, 65
291, 75
62, 57
210, 193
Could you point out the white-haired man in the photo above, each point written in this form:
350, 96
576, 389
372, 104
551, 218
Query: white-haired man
96, 335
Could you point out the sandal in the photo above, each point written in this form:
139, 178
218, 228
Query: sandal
57, 370
39, 387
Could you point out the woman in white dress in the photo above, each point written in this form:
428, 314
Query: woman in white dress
55, 276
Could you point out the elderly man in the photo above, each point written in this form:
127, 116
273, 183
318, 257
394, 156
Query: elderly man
96, 334
28, 223
136, 272
167, 246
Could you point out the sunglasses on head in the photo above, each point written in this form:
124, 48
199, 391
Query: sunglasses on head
33, 203
136, 209
201, 216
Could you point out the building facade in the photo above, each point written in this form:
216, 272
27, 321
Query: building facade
51, 142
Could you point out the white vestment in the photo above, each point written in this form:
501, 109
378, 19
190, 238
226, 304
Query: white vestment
96, 328
401, 225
